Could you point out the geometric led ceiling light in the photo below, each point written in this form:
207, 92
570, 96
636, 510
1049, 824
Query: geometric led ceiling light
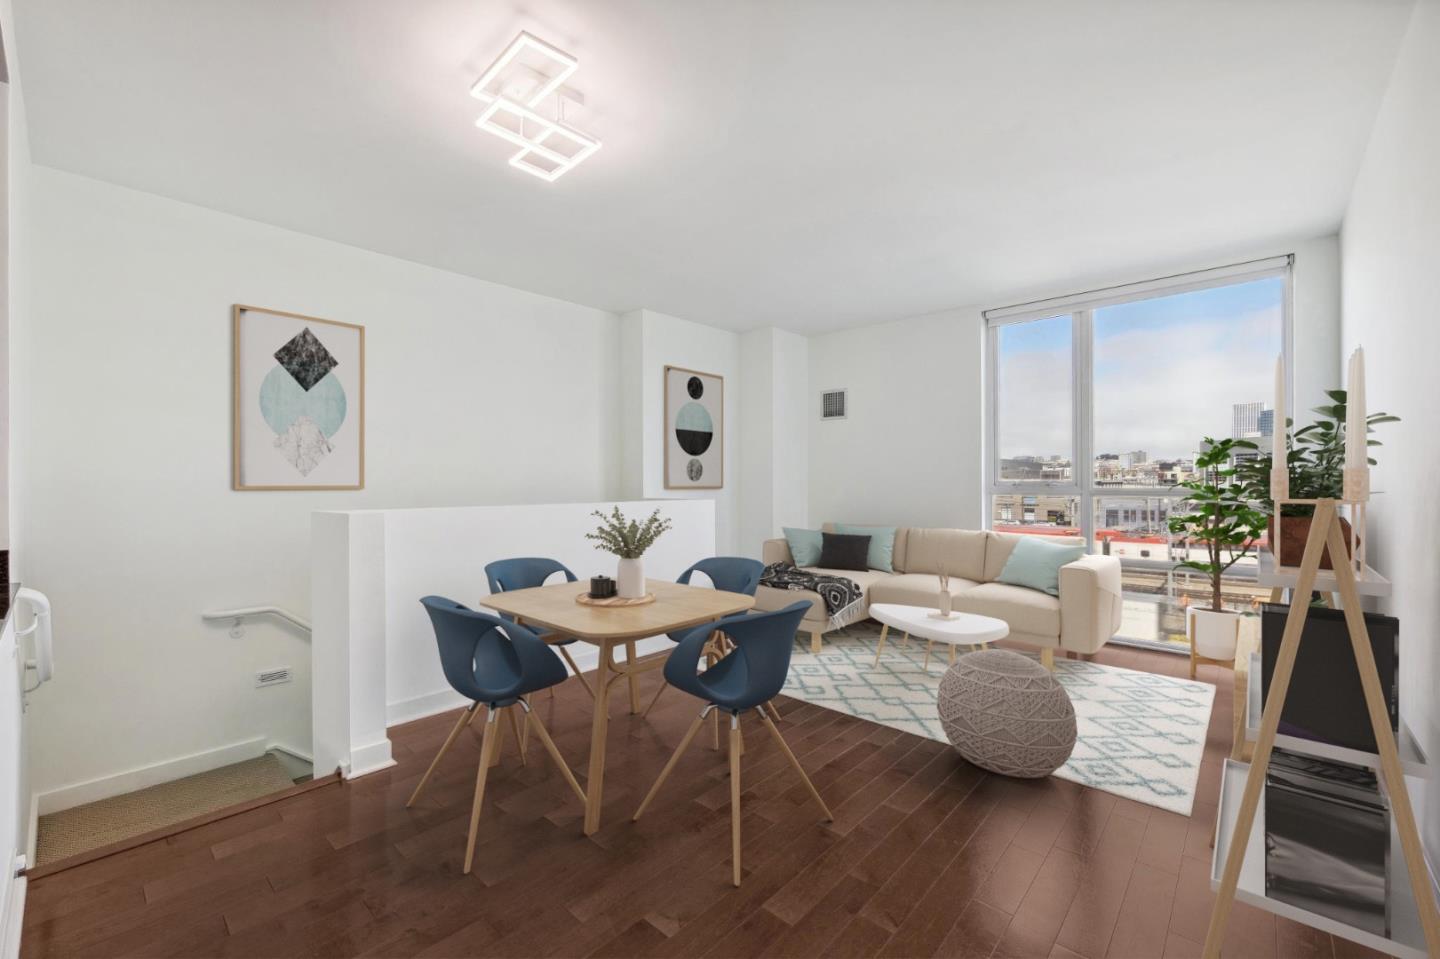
515, 87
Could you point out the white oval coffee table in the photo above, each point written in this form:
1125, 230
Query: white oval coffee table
961, 629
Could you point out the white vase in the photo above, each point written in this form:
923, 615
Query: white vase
946, 601
630, 578
1214, 633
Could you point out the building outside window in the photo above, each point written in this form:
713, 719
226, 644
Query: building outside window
1098, 404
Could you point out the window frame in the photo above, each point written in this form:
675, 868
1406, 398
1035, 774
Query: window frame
1081, 309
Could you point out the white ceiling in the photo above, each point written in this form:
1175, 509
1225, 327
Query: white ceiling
810, 164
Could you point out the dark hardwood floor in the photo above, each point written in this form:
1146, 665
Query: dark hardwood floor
927, 856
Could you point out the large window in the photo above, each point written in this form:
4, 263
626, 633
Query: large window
1099, 402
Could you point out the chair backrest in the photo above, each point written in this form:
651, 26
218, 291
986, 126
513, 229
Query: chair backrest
523, 572
486, 658
765, 641
732, 574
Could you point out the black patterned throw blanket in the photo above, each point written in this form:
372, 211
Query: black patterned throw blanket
840, 594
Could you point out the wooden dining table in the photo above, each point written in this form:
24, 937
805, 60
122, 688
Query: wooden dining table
557, 614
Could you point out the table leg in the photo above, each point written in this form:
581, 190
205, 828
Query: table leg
634, 682
905, 640
880, 647
599, 726
952, 654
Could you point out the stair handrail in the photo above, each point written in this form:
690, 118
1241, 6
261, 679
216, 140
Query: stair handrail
245, 612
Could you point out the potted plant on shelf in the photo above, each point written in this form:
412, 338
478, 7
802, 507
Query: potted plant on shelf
628, 539
1225, 526
1315, 463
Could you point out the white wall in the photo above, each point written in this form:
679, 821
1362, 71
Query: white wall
477, 393
1391, 279
910, 451
377, 663
651, 341
774, 403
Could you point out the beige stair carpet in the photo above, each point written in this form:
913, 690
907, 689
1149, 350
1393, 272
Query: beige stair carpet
82, 828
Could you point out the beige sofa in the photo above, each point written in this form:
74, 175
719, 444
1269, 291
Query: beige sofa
1082, 619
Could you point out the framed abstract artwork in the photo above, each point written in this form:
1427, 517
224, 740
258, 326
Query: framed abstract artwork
694, 429
299, 418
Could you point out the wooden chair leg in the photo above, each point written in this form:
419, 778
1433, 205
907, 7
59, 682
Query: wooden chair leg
785, 748
773, 711
499, 740
460, 724
554, 752
674, 758
565, 655
515, 728
735, 794
525, 728
715, 727
487, 752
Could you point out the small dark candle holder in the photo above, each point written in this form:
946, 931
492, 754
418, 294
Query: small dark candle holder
601, 587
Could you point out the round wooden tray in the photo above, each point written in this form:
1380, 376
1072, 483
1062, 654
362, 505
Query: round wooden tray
585, 599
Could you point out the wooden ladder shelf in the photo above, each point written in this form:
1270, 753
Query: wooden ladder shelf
1325, 530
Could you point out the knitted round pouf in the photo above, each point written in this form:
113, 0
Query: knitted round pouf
1007, 714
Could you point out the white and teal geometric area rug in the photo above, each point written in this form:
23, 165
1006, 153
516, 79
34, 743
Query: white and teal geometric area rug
1138, 735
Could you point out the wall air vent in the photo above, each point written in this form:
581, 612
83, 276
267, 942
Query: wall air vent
832, 405
272, 677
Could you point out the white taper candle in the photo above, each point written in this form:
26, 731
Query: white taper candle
1357, 452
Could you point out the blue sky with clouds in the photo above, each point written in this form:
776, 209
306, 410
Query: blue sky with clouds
1167, 371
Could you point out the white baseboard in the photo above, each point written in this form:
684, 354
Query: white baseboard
77, 794
372, 758
587, 657
409, 710
12, 915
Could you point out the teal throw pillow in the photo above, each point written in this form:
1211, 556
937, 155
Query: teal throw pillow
1036, 564
882, 544
804, 545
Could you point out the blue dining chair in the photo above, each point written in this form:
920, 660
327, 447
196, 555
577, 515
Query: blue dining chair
733, 574
749, 676
489, 660
527, 572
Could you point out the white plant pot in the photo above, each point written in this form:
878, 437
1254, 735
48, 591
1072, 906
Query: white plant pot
1213, 634
630, 578
946, 603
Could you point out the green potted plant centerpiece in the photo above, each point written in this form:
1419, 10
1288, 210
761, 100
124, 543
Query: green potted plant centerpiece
1316, 464
1223, 525
628, 540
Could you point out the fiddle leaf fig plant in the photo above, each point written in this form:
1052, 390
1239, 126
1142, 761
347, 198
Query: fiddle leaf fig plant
1221, 519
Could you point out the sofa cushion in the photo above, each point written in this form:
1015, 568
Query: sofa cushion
864, 578
915, 589
998, 547
960, 551
882, 544
1036, 563
841, 551
1026, 610
804, 545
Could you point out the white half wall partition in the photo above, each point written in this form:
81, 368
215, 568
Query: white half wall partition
374, 659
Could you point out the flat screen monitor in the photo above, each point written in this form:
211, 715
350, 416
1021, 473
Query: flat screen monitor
1326, 702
